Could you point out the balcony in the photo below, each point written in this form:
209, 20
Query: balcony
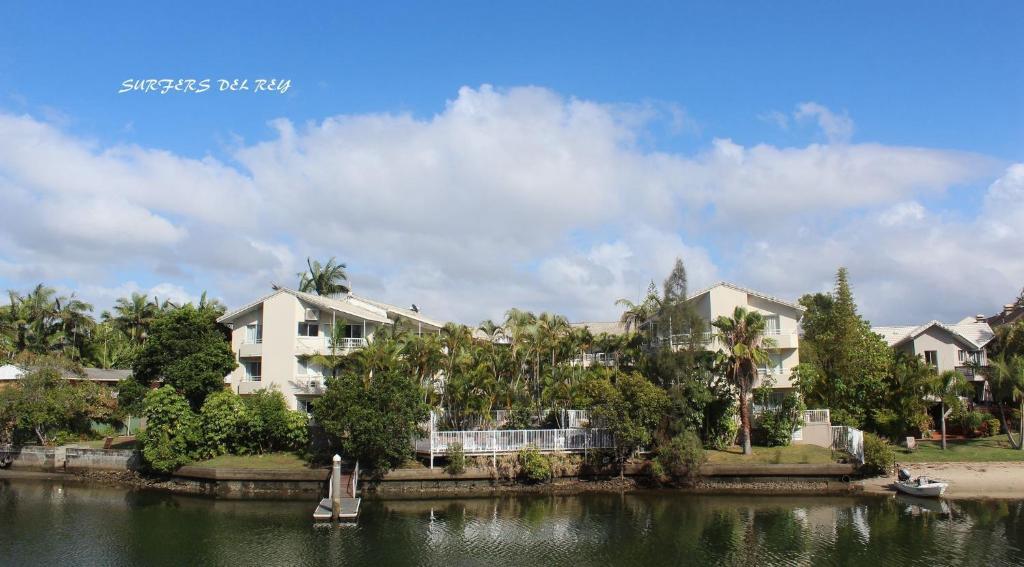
250, 348
322, 345
251, 385
310, 385
783, 338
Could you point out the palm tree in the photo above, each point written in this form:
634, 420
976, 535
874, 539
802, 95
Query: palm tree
325, 279
743, 336
948, 386
75, 323
1005, 375
636, 314
134, 315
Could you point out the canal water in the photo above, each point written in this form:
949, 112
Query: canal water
54, 523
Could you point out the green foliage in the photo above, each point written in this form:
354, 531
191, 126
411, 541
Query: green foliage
44, 405
173, 436
879, 455
746, 349
992, 426
778, 421
109, 347
844, 365
535, 467
905, 409
684, 452
373, 418
270, 426
224, 418
130, 396
189, 350
456, 459
631, 408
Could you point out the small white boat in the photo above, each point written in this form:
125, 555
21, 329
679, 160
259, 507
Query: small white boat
922, 486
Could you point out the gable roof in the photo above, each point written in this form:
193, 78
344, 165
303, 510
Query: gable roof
748, 291
349, 304
598, 327
976, 334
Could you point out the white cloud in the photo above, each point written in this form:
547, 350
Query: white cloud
504, 198
838, 128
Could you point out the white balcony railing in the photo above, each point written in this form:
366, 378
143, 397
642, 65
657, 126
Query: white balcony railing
326, 344
511, 441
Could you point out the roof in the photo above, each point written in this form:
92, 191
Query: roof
399, 311
976, 334
349, 304
329, 303
598, 327
749, 291
13, 372
1010, 314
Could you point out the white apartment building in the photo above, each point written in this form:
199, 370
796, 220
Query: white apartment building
782, 320
273, 336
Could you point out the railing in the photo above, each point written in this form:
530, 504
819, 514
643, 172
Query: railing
588, 359
571, 419
511, 441
326, 343
814, 416
850, 440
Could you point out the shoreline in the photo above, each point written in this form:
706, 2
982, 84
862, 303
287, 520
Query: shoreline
967, 480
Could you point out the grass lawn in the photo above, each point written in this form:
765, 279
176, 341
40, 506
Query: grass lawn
986, 449
793, 454
267, 461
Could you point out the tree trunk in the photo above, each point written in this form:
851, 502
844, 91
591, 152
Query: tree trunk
942, 409
1020, 424
1019, 442
745, 423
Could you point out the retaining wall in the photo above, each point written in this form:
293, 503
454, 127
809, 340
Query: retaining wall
51, 459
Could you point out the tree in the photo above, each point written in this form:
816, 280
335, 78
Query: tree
134, 315
909, 385
1005, 375
631, 408
173, 435
327, 279
109, 347
636, 314
44, 403
189, 351
948, 387
372, 424
743, 336
844, 366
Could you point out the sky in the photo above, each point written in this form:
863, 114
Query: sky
474, 156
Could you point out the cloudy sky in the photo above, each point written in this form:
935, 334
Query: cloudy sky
470, 160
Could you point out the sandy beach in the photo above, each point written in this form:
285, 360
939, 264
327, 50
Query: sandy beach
967, 480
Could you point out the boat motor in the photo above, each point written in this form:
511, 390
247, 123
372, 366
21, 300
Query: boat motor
903, 475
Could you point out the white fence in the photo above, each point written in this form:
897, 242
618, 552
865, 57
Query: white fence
569, 419
849, 439
511, 441
817, 416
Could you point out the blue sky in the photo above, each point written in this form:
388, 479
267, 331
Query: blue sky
938, 81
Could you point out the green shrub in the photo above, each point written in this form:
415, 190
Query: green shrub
456, 459
172, 437
519, 418
972, 421
223, 417
879, 455
270, 425
535, 466
992, 427
656, 469
684, 451
777, 422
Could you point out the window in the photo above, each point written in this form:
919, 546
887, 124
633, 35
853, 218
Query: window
304, 405
771, 323
773, 365
970, 356
354, 331
254, 333
253, 370
307, 368
309, 329
931, 357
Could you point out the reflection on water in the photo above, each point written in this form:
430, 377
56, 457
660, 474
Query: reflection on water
51, 522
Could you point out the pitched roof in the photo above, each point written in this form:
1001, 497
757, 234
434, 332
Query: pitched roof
598, 327
749, 291
399, 311
13, 372
976, 334
367, 313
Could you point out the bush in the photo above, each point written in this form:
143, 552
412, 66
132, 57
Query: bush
564, 464
223, 417
972, 421
879, 455
778, 421
456, 459
992, 426
519, 418
172, 436
535, 467
270, 426
684, 451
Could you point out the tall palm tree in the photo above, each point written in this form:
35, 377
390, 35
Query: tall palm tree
1005, 375
743, 336
947, 387
134, 315
327, 279
75, 324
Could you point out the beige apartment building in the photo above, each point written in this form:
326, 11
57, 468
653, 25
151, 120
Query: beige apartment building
273, 337
946, 346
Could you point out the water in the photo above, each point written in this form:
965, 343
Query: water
47, 523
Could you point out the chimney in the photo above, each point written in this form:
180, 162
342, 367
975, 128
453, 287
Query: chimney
979, 318
1007, 308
